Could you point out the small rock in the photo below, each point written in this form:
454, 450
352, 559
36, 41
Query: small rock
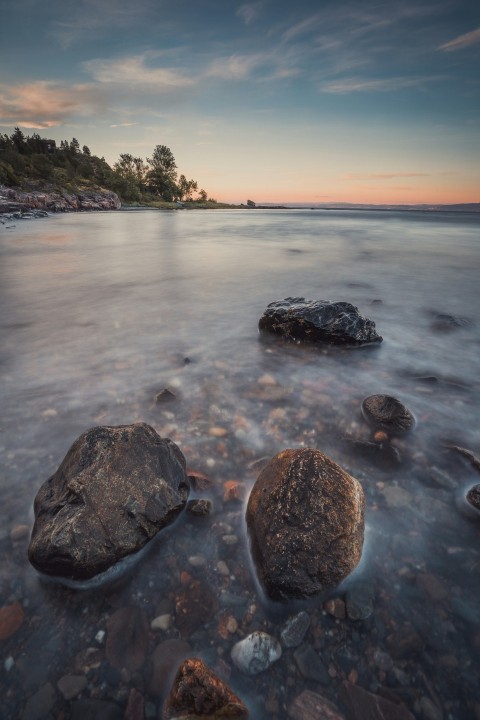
18, 532
364, 705
199, 507
165, 395
127, 638
162, 622
380, 436
295, 629
135, 706
197, 692
222, 568
387, 413
199, 481
312, 706
194, 607
9, 663
230, 539
310, 664
359, 601
88, 659
473, 496
197, 561
72, 685
217, 432
165, 660
39, 704
100, 636
430, 711
234, 490
11, 620
256, 653
433, 587
336, 608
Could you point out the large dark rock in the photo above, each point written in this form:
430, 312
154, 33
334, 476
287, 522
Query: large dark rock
338, 323
305, 517
198, 693
115, 489
385, 412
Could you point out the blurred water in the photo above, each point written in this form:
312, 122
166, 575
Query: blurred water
100, 313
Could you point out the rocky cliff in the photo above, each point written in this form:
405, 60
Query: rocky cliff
13, 200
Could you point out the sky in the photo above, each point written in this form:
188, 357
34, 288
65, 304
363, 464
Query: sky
303, 101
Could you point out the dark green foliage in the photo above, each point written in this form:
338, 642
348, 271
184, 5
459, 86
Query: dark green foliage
32, 161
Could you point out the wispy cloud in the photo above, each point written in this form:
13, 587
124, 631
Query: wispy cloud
134, 71
46, 104
357, 84
249, 12
462, 41
383, 176
123, 124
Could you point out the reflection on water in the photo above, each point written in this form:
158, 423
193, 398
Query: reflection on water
101, 312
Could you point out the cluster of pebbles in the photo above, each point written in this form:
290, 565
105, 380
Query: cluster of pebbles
398, 639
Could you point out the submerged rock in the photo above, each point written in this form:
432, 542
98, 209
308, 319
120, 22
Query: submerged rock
115, 489
305, 517
473, 497
256, 653
198, 693
387, 413
339, 323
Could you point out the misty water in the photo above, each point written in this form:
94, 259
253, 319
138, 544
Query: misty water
100, 312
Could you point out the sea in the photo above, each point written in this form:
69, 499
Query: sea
103, 312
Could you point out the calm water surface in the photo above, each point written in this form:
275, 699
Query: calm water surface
100, 312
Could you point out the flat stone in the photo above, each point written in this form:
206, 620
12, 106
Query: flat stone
310, 664
359, 601
199, 507
72, 685
165, 661
364, 705
115, 489
295, 629
127, 638
198, 693
318, 321
256, 653
39, 704
312, 706
305, 517
11, 620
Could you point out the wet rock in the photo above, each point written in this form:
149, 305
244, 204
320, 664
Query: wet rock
336, 608
364, 705
127, 638
197, 692
72, 685
383, 454
473, 496
39, 704
432, 587
94, 710
195, 607
165, 660
387, 413
11, 620
199, 507
135, 706
305, 517
339, 323
162, 622
312, 706
256, 653
310, 664
115, 489
444, 322
165, 396
430, 711
359, 601
295, 629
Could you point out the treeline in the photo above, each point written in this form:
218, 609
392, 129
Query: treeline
27, 161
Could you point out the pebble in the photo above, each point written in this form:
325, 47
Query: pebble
9, 663
39, 704
359, 601
162, 622
72, 685
199, 507
230, 539
100, 637
222, 568
218, 432
430, 711
336, 608
310, 664
295, 629
197, 561
11, 619
18, 532
256, 653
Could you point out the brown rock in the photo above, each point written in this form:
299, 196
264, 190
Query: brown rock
135, 706
11, 619
336, 608
364, 705
194, 607
305, 517
311, 706
127, 638
165, 660
387, 413
115, 489
234, 490
433, 587
198, 693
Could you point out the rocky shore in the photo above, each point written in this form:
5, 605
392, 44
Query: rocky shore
35, 203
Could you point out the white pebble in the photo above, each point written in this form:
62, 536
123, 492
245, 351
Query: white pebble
222, 568
100, 636
197, 560
9, 663
256, 653
162, 622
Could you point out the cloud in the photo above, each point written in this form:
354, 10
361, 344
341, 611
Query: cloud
123, 124
134, 71
356, 84
383, 176
44, 104
249, 12
258, 67
462, 41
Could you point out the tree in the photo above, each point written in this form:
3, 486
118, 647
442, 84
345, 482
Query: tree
202, 195
74, 146
18, 140
162, 176
86, 150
